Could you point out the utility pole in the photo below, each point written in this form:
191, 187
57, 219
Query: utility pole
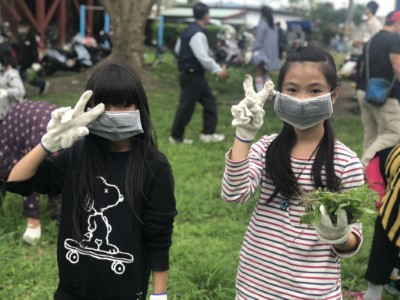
348, 27
350, 12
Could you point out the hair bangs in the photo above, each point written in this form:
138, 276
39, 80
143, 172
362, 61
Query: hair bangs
113, 85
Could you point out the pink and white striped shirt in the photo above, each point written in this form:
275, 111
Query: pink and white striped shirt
281, 258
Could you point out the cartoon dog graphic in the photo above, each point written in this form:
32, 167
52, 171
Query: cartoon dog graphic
96, 243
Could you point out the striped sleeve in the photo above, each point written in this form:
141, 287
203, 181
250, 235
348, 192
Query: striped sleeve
241, 178
350, 169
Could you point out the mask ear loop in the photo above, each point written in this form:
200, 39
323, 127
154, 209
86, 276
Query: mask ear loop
334, 94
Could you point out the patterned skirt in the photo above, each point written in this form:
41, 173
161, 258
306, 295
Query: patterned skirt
20, 131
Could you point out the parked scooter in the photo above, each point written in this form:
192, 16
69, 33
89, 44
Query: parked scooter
227, 51
98, 50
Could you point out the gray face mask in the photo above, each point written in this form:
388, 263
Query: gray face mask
117, 126
304, 113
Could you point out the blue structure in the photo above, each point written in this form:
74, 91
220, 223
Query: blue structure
82, 20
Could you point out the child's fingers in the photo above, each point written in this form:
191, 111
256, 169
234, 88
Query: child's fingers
248, 87
59, 112
93, 113
265, 92
325, 218
67, 116
342, 217
83, 100
82, 131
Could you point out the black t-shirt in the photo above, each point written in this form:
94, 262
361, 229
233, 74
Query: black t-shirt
382, 45
119, 249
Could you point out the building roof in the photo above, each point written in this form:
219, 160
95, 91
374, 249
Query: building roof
228, 15
216, 13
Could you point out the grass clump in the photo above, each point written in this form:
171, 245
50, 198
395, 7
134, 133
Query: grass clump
356, 202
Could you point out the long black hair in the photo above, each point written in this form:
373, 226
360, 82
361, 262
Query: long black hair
266, 13
278, 154
6, 58
118, 86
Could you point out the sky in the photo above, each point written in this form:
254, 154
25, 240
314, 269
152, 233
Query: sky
385, 6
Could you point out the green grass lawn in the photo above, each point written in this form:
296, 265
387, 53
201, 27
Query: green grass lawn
208, 232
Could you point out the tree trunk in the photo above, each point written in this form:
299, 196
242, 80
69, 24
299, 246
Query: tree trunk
128, 22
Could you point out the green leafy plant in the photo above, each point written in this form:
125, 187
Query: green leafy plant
357, 202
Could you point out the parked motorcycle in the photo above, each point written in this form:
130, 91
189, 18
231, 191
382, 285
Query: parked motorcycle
74, 58
226, 49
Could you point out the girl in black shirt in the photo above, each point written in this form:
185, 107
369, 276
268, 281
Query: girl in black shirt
118, 203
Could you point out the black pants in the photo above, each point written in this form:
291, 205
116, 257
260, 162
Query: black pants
194, 87
383, 256
39, 83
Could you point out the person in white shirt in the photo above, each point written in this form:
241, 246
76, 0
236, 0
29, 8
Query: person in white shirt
193, 60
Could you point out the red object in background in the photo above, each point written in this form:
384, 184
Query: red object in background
375, 180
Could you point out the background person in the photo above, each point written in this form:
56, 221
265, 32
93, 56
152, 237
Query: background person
193, 60
27, 53
12, 90
373, 26
21, 130
381, 123
383, 175
266, 47
282, 40
22, 124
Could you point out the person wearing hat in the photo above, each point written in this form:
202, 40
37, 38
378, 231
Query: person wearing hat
381, 123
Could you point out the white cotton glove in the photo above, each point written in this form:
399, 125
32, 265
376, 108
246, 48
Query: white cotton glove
3, 93
248, 115
158, 296
68, 125
329, 233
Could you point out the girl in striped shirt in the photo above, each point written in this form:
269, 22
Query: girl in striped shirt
280, 257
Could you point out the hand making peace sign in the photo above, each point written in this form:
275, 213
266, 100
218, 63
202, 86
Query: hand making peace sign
68, 125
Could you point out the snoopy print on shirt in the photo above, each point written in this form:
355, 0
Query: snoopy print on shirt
96, 242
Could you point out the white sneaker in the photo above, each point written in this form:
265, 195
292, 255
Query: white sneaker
184, 141
32, 235
212, 138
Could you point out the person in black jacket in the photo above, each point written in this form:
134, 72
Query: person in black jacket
118, 204
193, 60
27, 55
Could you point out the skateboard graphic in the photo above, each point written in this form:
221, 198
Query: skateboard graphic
118, 259
99, 228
